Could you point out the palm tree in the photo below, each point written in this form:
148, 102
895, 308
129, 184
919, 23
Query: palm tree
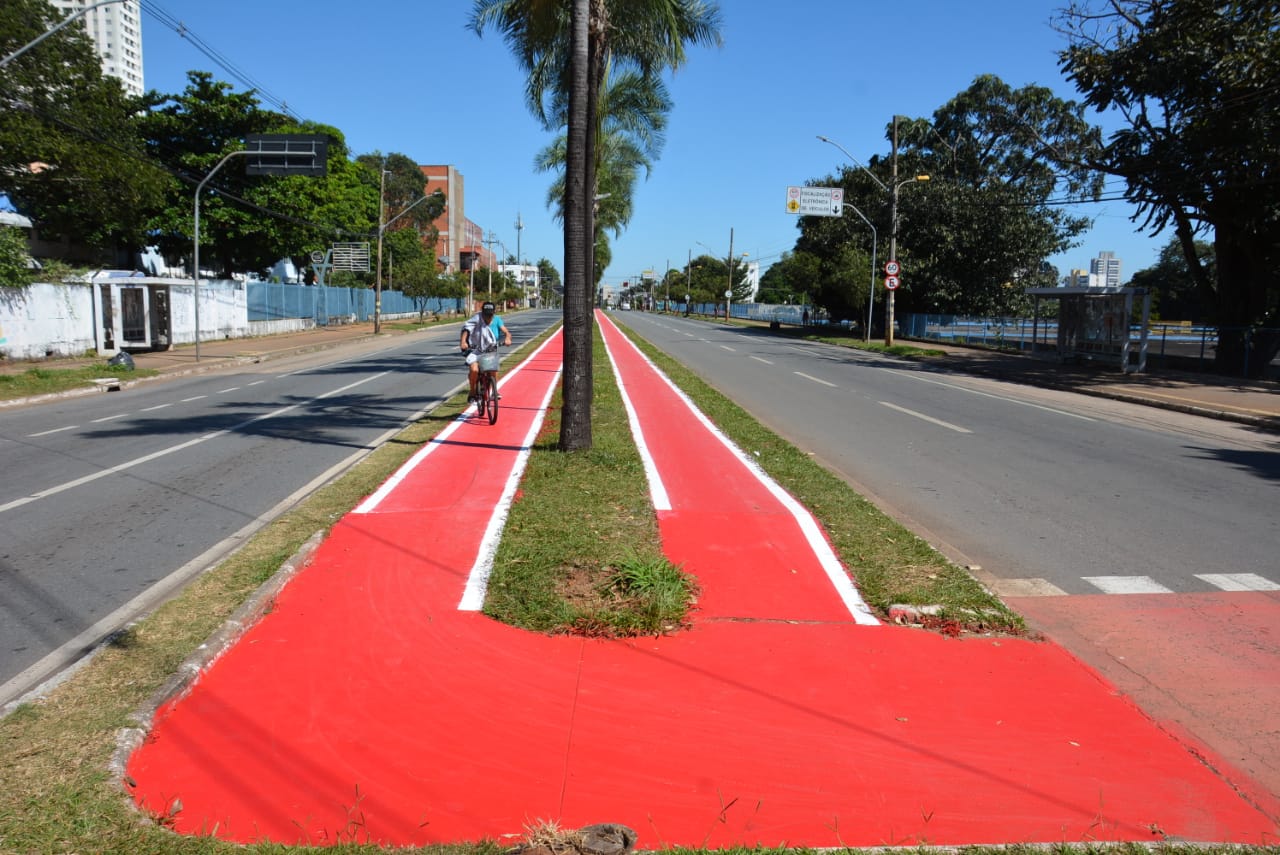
632, 115
566, 49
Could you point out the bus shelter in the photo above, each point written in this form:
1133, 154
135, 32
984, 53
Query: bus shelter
1095, 323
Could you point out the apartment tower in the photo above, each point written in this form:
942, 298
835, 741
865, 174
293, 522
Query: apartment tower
116, 31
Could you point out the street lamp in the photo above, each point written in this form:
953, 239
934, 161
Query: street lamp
382, 229
67, 20
893, 220
893, 241
871, 294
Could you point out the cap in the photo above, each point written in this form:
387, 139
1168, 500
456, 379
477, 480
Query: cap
487, 308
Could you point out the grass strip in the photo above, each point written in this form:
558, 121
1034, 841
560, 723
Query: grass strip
889, 563
580, 552
47, 381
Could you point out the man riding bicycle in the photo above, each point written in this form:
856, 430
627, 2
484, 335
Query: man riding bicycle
480, 335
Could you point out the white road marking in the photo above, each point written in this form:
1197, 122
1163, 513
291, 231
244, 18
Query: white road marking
930, 419
156, 407
193, 398
1127, 585
1005, 398
657, 489
147, 458
108, 418
765, 361
55, 430
225, 391
257, 382
817, 541
814, 379
1238, 581
728, 348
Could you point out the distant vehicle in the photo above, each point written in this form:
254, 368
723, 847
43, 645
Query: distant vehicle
625, 305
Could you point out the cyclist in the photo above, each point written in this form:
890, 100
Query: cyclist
480, 335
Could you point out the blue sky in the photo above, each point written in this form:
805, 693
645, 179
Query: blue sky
410, 77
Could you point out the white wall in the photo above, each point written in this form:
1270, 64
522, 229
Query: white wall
42, 321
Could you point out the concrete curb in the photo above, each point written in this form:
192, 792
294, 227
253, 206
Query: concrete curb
252, 610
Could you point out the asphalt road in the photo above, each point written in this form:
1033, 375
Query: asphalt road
1024, 482
111, 502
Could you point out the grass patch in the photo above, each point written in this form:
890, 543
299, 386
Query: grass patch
45, 381
889, 563
580, 552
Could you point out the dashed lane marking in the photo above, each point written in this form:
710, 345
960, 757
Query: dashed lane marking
1127, 585
930, 419
55, 430
765, 361
814, 379
1238, 581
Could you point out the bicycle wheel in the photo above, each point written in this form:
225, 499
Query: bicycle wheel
491, 397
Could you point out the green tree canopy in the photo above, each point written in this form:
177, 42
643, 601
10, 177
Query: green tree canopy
1195, 81
70, 148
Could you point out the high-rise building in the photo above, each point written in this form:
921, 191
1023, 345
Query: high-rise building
1107, 268
116, 31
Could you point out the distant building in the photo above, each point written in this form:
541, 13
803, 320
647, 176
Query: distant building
461, 242
116, 31
1079, 278
527, 277
1107, 268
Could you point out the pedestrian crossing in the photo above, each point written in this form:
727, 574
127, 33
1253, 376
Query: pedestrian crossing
1136, 585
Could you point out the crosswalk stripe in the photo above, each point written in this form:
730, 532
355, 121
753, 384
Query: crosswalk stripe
1127, 585
1238, 581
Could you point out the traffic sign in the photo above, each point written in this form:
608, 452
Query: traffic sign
815, 201
891, 268
891, 282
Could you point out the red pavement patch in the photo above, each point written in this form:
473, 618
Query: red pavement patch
367, 707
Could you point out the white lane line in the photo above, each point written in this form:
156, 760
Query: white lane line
478, 579
257, 382
817, 541
55, 430
147, 458
156, 407
1127, 585
657, 489
370, 504
930, 419
1238, 581
225, 391
765, 361
728, 348
108, 418
193, 398
814, 379
1005, 398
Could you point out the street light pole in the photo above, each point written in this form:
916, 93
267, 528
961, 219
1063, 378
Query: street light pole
893, 233
382, 227
67, 20
195, 249
871, 293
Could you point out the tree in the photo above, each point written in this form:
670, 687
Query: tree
1175, 292
70, 150
248, 222
13, 257
1195, 83
790, 279
565, 49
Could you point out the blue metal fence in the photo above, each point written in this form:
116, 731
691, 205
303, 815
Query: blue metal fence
272, 301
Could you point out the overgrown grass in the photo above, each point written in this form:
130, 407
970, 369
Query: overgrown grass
580, 551
44, 381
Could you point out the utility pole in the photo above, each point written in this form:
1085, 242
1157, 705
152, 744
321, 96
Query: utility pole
893, 235
493, 238
728, 293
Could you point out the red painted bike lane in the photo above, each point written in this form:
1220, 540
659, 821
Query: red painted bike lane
367, 706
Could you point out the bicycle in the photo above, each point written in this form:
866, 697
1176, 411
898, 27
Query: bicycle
487, 386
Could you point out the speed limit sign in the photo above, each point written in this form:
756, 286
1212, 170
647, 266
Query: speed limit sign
891, 268
891, 282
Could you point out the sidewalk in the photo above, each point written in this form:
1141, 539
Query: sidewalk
373, 703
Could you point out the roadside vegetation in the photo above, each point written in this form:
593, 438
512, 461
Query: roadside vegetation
44, 380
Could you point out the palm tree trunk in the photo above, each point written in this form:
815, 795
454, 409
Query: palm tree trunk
575, 422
